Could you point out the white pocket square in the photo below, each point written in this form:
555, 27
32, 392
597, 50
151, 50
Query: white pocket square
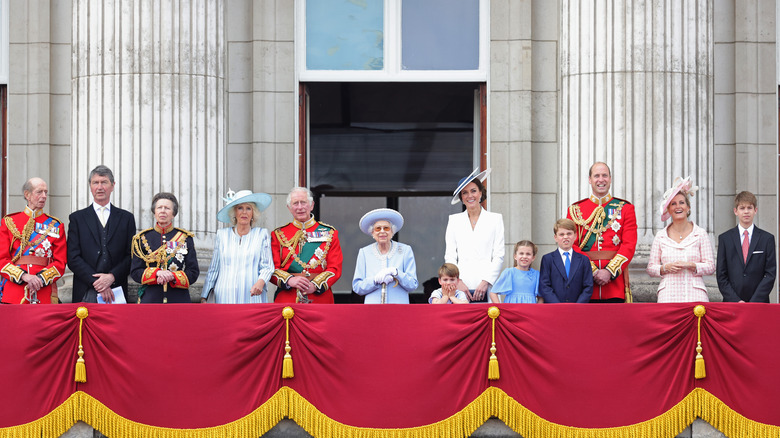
758, 252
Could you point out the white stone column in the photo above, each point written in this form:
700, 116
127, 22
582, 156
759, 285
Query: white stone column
637, 92
148, 101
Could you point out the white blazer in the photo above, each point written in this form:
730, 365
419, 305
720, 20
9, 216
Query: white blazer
478, 253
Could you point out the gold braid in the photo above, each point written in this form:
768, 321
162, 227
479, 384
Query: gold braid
299, 238
156, 256
24, 236
596, 217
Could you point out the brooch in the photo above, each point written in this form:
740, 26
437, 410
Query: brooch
616, 240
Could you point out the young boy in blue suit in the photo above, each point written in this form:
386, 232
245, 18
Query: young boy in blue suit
565, 275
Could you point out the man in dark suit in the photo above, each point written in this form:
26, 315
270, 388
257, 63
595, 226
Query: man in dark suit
99, 239
746, 267
565, 275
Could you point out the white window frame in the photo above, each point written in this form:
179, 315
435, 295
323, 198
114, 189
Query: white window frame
392, 53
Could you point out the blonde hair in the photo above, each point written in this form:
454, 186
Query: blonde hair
566, 224
449, 270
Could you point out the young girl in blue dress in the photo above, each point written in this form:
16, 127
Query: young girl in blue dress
521, 283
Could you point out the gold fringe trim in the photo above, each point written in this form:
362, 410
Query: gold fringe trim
699, 371
492, 402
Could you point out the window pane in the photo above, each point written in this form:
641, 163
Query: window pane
390, 138
344, 214
440, 35
425, 221
344, 35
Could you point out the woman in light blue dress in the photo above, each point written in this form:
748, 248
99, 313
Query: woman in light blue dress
521, 283
242, 263
386, 271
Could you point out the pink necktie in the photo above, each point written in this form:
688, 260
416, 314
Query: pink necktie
745, 245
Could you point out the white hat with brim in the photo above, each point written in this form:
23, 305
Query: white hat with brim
261, 200
683, 185
476, 174
381, 214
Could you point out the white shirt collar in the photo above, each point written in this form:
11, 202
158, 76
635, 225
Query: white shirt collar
99, 207
749, 230
561, 252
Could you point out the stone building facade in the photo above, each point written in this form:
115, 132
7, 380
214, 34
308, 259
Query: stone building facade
198, 97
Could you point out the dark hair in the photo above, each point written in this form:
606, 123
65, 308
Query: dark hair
101, 170
527, 243
168, 196
480, 187
745, 198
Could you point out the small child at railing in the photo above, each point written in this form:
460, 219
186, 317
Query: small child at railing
448, 294
521, 283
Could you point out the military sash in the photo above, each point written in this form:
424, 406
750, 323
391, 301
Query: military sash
311, 247
602, 218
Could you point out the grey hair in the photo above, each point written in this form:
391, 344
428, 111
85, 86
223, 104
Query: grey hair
101, 170
393, 228
300, 189
28, 185
255, 213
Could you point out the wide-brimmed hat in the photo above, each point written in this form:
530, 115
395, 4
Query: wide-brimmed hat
381, 214
261, 200
680, 185
476, 174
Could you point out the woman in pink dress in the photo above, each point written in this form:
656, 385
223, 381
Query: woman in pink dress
682, 252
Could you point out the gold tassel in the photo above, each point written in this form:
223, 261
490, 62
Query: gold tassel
81, 368
287, 364
699, 371
493, 373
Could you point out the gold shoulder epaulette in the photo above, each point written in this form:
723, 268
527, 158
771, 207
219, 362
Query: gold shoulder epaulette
621, 200
327, 225
182, 230
56, 219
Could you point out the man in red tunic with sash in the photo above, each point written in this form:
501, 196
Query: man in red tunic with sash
307, 254
606, 233
32, 250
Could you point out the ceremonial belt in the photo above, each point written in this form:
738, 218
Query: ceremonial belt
300, 274
601, 255
32, 260
607, 255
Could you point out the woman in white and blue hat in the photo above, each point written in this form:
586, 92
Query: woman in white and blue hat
242, 263
385, 271
475, 238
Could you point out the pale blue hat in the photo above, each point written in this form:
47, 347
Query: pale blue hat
261, 200
381, 214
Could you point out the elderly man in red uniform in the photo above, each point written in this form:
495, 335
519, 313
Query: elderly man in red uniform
33, 250
606, 233
307, 254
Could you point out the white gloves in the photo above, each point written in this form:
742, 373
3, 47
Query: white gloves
385, 276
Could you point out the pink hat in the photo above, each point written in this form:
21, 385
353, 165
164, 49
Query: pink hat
683, 185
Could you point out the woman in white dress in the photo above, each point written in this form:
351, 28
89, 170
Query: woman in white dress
475, 238
242, 263
385, 271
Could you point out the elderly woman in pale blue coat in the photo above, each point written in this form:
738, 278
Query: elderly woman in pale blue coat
242, 263
385, 270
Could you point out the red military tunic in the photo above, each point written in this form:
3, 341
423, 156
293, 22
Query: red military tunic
606, 224
33, 243
311, 249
